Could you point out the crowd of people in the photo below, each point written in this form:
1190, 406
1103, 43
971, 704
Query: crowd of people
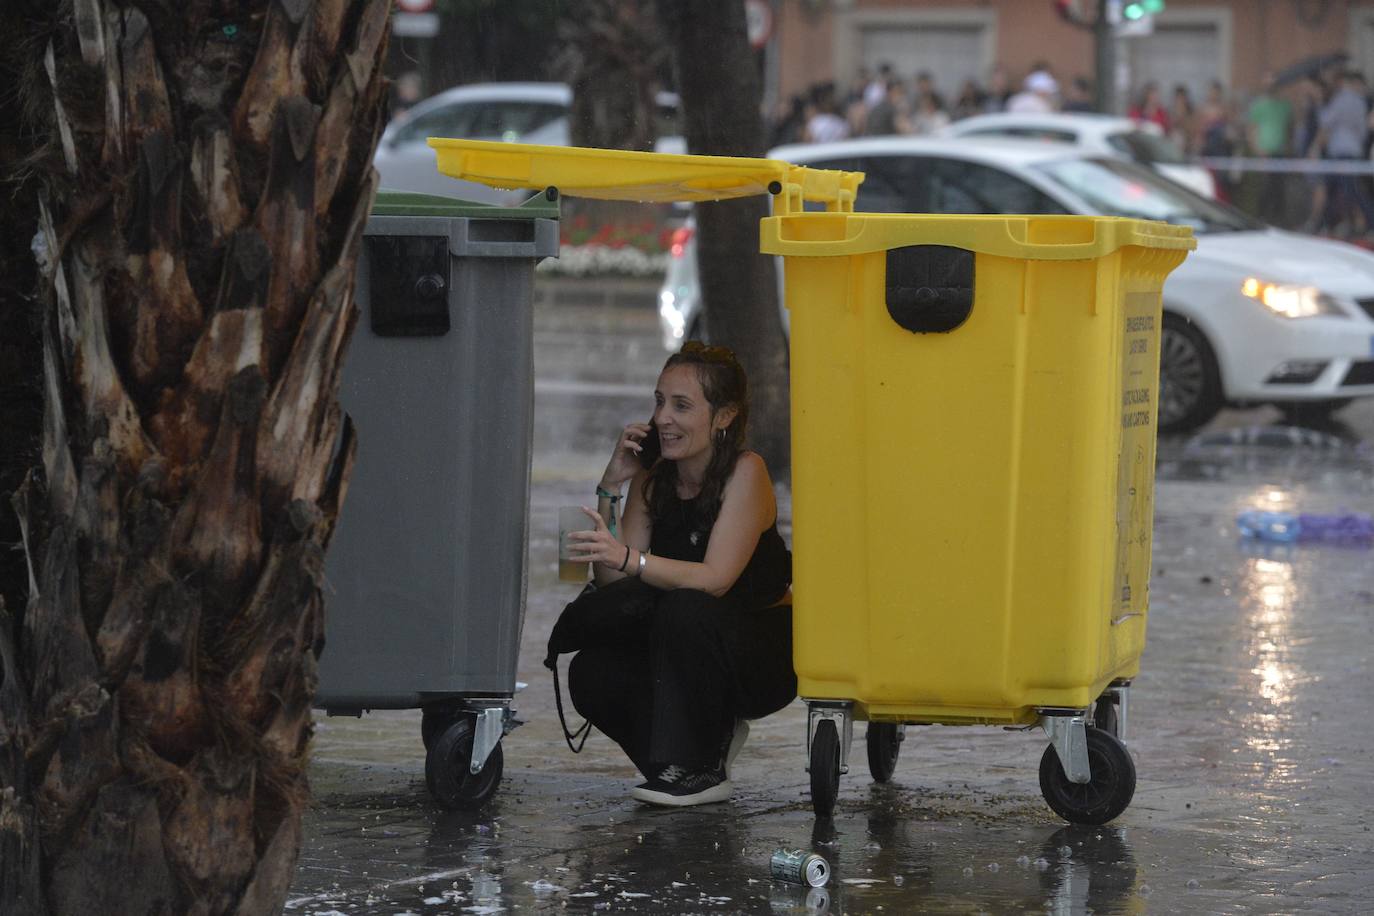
882, 103
1322, 115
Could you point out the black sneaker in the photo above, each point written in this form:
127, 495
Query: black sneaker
679, 787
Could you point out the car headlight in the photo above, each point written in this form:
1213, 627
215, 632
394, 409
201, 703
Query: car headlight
1290, 301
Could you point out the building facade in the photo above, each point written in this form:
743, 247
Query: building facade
1192, 42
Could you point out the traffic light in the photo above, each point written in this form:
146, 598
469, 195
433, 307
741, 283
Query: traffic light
1139, 9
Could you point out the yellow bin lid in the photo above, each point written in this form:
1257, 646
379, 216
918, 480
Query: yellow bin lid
649, 177
664, 177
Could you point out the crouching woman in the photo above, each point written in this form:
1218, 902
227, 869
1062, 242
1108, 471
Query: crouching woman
700, 526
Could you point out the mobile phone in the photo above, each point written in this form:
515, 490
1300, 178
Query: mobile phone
650, 447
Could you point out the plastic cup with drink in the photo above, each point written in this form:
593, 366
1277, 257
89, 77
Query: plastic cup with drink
570, 519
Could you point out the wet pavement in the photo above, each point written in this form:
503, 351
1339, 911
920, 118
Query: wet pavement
1247, 724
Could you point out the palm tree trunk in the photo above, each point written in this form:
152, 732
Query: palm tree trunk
610, 53
738, 284
202, 190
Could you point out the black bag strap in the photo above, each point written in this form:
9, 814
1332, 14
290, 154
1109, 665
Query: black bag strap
584, 729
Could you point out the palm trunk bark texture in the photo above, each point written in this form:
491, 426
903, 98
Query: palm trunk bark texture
203, 180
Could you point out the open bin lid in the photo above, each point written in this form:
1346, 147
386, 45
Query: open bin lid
648, 177
665, 177
407, 203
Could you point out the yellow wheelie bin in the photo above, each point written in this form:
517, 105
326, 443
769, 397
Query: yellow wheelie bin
973, 443
973, 467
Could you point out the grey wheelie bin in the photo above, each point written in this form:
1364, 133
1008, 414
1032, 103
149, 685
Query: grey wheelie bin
426, 572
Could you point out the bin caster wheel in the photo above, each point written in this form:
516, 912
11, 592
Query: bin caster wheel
434, 721
884, 744
825, 768
1105, 717
1103, 797
447, 771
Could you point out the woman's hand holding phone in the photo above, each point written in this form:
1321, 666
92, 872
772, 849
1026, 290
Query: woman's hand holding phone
629, 451
650, 447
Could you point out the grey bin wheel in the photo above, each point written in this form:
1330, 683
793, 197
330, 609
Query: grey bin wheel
1101, 799
435, 720
1189, 380
825, 768
884, 741
447, 768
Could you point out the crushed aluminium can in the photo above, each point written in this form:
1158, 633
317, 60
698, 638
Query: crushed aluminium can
799, 867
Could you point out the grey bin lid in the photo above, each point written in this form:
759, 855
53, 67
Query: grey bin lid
405, 203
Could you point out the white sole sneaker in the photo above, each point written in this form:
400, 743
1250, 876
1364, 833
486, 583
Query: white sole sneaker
718, 793
737, 740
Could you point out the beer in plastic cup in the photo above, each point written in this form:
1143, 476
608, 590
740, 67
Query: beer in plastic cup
570, 519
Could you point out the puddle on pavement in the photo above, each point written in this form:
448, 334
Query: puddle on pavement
1256, 669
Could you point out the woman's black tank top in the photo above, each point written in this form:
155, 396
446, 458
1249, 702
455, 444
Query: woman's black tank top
681, 535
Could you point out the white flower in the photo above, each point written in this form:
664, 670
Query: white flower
591, 260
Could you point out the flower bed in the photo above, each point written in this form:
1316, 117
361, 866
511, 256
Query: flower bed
633, 250
591, 260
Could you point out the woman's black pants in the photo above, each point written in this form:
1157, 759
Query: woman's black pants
671, 693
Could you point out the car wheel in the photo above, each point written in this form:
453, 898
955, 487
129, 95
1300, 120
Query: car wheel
1189, 381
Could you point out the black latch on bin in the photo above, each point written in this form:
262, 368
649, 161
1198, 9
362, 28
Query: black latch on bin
929, 287
410, 279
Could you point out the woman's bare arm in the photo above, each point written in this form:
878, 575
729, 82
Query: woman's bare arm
635, 530
747, 509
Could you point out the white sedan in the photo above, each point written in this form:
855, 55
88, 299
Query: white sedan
511, 112
1103, 135
1254, 315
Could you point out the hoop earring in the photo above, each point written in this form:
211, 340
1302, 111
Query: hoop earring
720, 435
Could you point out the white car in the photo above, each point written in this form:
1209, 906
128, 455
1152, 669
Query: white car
1106, 135
1254, 315
511, 112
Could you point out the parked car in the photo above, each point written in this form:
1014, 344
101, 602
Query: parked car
1254, 315
512, 112
1106, 135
